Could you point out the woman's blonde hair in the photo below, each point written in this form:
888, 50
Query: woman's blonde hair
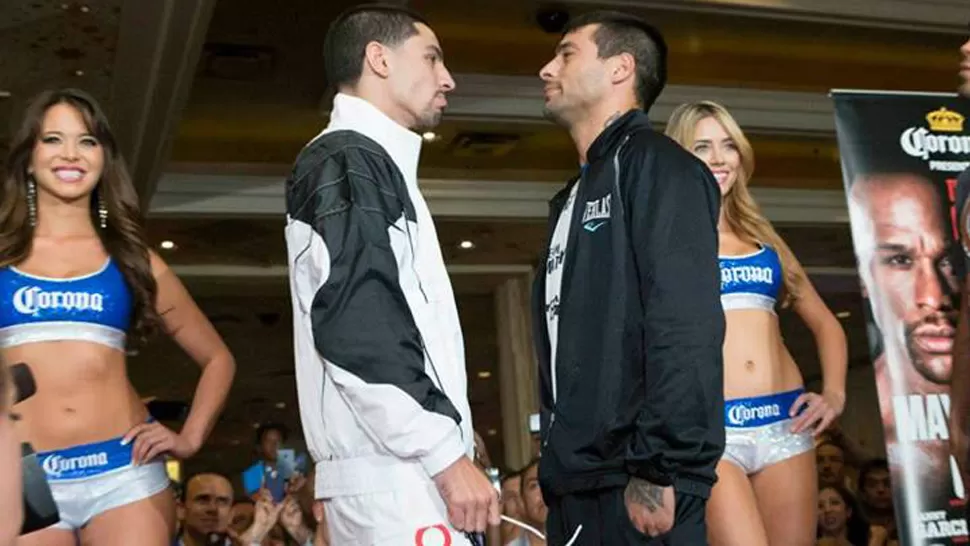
740, 210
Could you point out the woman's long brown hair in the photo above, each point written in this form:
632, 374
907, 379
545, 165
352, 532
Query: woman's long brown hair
123, 237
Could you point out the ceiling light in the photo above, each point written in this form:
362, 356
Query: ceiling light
167, 245
85, 9
484, 374
65, 6
280, 405
492, 432
78, 72
467, 245
4, 94
429, 136
843, 314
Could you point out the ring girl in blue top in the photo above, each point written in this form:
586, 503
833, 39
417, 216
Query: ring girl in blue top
766, 491
77, 279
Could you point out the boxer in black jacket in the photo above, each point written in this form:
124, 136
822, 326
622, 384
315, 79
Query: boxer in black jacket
629, 324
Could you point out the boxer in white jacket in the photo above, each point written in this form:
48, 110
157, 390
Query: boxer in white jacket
379, 351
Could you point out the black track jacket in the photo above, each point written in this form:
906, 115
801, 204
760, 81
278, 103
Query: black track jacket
639, 361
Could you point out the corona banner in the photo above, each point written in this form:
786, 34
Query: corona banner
901, 155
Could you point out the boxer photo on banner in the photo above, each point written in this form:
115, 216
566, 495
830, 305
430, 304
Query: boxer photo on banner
901, 155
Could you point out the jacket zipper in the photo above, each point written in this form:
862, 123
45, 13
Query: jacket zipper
552, 364
619, 197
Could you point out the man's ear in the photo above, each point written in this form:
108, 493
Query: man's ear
375, 59
622, 67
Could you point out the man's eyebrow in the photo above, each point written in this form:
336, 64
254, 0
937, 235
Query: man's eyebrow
564, 45
892, 247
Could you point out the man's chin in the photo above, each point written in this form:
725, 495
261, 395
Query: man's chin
554, 115
935, 368
428, 121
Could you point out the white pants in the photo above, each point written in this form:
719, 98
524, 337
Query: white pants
409, 517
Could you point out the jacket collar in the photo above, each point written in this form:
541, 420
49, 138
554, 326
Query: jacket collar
615, 132
356, 114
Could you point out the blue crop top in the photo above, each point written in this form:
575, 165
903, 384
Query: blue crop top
96, 307
751, 281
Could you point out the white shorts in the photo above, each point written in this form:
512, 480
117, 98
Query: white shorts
409, 517
758, 431
91, 479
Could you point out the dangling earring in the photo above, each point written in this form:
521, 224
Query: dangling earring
32, 200
102, 211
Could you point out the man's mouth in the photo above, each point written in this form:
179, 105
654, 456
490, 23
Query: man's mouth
934, 339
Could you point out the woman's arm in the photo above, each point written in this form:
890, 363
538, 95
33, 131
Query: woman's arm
193, 332
833, 356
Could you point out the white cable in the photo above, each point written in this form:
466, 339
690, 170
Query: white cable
575, 536
536, 532
525, 526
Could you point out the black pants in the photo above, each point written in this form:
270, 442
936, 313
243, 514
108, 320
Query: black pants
606, 523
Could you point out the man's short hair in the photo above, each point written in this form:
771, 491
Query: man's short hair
183, 491
622, 33
870, 466
349, 34
266, 427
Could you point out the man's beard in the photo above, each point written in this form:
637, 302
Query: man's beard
428, 119
555, 116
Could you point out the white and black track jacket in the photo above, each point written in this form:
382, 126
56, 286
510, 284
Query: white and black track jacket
380, 361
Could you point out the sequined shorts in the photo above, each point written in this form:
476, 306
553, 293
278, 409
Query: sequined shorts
90, 479
758, 431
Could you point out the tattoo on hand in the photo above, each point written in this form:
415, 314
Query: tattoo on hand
645, 494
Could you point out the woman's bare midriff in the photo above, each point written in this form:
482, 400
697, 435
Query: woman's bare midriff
756, 361
83, 394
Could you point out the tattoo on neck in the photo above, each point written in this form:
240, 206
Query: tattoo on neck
611, 119
644, 493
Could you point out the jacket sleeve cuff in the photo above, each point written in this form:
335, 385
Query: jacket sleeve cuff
650, 473
444, 454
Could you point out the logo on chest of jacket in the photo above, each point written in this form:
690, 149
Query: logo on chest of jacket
597, 213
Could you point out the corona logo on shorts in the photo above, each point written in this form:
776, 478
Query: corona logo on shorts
433, 535
941, 143
56, 465
739, 415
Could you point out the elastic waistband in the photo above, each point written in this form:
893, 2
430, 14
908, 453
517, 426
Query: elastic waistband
759, 411
87, 460
368, 475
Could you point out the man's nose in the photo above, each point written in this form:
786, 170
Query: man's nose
929, 289
546, 72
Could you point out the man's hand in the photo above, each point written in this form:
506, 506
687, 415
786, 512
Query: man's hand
291, 518
471, 500
264, 519
295, 483
649, 506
